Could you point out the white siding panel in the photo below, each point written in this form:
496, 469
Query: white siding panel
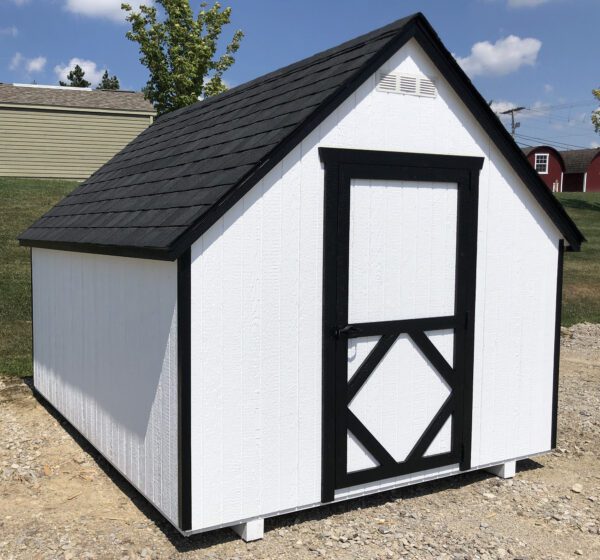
105, 355
257, 305
402, 250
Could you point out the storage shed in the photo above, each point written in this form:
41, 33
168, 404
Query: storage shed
66, 132
327, 282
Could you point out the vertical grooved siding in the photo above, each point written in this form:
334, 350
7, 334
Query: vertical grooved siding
70, 145
257, 311
105, 356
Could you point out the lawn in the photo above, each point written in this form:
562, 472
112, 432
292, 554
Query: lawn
21, 202
581, 287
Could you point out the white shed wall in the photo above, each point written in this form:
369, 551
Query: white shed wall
257, 305
105, 356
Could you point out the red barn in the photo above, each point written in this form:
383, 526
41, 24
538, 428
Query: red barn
549, 164
593, 174
582, 170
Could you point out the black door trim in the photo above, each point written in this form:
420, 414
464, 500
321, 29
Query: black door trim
341, 165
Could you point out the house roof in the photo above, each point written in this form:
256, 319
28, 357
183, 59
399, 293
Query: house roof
170, 184
578, 161
71, 97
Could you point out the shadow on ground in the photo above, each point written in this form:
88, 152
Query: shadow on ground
220, 536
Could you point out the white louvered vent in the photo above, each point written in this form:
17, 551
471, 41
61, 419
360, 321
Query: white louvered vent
406, 84
387, 82
427, 88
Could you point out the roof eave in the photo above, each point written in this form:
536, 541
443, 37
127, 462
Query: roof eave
152, 253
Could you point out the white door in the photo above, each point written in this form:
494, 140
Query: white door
400, 238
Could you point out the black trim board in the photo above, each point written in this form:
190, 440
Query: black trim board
341, 165
559, 286
416, 27
184, 460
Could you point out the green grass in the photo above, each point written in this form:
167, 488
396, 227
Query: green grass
581, 286
21, 202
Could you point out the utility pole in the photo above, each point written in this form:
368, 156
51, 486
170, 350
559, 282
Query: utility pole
513, 125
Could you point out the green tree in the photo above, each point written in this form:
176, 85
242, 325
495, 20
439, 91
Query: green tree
179, 51
596, 113
76, 78
108, 82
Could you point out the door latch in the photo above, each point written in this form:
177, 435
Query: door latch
348, 330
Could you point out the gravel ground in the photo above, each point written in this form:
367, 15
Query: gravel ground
58, 499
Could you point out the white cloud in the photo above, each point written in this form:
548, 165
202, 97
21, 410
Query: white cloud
92, 72
16, 61
500, 106
11, 31
109, 9
36, 64
594, 144
526, 3
548, 88
20, 2
20, 63
503, 57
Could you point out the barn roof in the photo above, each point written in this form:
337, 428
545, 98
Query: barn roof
170, 184
74, 98
578, 161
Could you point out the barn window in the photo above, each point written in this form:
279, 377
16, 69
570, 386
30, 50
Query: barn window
541, 163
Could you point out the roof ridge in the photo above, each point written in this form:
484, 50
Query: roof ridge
296, 66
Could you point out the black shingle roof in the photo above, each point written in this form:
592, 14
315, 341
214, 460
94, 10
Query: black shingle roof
157, 195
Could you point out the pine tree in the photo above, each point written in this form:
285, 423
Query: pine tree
76, 78
108, 82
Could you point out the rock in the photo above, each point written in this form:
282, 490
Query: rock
577, 488
489, 496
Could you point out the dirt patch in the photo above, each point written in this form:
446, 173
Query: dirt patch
60, 499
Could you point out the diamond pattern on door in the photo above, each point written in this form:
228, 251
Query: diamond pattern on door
400, 398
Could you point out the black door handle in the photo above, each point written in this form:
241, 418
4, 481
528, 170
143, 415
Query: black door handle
348, 330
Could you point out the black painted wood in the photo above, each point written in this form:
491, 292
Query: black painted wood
559, 289
184, 415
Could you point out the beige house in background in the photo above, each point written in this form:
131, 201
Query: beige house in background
64, 132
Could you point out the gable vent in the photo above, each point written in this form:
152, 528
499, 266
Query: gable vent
387, 82
406, 84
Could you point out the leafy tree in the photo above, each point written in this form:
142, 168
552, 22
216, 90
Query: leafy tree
108, 82
179, 51
596, 113
76, 78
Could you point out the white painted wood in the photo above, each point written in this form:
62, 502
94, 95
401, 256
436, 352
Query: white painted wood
400, 398
358, 457
257, 305
252, 530
358, 349
504, 470
442, 442
105, 356
402, 250
443, 340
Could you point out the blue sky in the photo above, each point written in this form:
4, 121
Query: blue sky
541, 54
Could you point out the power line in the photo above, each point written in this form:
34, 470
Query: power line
548, 141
